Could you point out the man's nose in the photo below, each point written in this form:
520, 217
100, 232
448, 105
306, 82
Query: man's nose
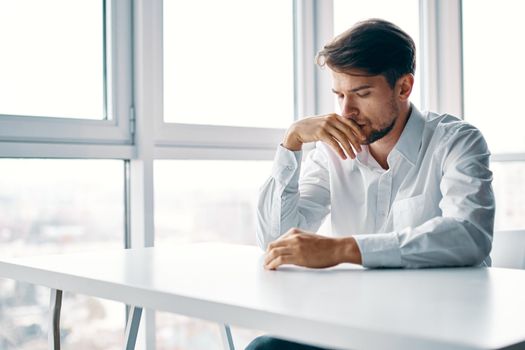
349, 108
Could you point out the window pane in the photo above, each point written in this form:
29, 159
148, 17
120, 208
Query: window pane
493, 55
509, 189
52, 58
235, 68
348, 12
204, 201
212, 200
58, 206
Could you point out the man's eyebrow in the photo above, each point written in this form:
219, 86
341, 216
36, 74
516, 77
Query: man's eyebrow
366, 86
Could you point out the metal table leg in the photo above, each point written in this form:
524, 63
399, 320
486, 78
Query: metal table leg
132, 327
227, 339
55, 305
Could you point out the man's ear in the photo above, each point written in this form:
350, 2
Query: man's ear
405, 84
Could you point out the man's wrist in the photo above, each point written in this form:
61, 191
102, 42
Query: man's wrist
348, 250
292, 146
291, 142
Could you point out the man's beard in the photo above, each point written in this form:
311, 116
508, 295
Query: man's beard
379, 134
376, 134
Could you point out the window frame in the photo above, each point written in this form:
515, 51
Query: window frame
444, 59
118, 97
203, 140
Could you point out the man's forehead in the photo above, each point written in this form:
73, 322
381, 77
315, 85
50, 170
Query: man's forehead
354, 79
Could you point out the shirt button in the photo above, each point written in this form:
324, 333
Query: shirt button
289, 167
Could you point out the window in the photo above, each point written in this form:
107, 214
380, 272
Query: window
57, 206
232, 69
207, 200
52, 63
509, 189
493, 56
349, 12
58, 81
227, 81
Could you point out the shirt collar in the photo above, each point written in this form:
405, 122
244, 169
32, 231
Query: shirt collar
409, 142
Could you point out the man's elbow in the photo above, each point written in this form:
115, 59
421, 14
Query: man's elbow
483, 253
482, 246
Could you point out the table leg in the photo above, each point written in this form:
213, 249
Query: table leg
226, 335
132, 327
55, 304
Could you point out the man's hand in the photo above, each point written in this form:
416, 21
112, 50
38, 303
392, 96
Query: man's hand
338, 132
303, 248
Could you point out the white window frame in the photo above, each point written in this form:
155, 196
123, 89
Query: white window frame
190, 141
47, 132
441, 56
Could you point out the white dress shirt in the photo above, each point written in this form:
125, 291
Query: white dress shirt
434, 206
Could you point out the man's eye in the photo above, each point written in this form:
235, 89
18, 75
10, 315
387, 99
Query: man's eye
363, 94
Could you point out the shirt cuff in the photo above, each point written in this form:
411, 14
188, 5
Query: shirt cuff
286, 165
379, 249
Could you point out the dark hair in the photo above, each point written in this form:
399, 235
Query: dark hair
375, 46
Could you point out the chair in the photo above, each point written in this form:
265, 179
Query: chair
508, 249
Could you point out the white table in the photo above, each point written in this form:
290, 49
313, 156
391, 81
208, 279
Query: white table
345, 307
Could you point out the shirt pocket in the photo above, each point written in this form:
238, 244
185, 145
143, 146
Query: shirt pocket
409, 212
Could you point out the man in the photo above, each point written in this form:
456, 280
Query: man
404, 188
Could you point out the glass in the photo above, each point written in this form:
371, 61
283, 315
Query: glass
52, 62
59, 206
404, 14
204, 200
509, 188
207, 200
493, 56
229, 62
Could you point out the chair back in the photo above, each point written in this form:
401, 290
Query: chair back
508, 249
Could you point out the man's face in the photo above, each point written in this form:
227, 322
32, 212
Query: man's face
367, 100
